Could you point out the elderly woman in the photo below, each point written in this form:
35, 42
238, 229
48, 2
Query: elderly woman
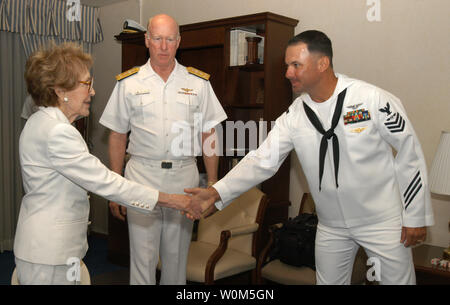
58, 170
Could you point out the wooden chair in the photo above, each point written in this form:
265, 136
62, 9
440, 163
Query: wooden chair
226, 241
276, 271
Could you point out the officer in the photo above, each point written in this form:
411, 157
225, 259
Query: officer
364, 195
169, 110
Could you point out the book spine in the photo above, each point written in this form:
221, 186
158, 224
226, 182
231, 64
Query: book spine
233, 48
242, 47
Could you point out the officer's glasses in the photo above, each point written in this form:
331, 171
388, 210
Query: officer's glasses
158, 40
89, 83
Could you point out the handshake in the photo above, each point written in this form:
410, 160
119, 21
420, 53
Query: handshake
196, 203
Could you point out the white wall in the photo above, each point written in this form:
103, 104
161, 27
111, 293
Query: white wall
405, 53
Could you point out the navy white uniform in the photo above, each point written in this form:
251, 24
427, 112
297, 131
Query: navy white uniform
57, 172
166, 120
374, 186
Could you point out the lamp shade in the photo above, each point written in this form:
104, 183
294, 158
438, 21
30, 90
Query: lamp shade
440, 169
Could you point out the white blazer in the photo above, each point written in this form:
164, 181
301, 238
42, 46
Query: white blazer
57, 172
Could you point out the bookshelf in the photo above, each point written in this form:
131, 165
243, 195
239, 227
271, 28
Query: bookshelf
247, 93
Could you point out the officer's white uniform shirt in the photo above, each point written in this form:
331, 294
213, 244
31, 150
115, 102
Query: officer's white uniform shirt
373, 185
57, 172
166, 119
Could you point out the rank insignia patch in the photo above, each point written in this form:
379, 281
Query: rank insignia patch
356, 116
127, 73
413, 188
394, 121
198, 73
386, 109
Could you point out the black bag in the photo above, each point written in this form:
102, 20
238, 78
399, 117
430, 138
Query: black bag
295, 241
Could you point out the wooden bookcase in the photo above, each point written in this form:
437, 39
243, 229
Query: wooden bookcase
249, 92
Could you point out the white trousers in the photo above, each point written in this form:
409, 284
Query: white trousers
164, 233
39, 274
336, 250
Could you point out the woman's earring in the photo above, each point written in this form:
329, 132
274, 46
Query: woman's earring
65, 99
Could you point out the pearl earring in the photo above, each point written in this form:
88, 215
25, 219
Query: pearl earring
65, 99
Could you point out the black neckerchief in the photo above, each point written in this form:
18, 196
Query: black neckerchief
327, 135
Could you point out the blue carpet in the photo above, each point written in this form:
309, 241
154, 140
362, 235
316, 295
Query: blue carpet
95, 260
6, 267
96, 257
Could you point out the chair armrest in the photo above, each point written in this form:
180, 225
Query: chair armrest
275, 226
241, 230
215, 256
265, 252
222, 247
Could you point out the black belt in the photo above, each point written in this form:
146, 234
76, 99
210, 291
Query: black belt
327, 135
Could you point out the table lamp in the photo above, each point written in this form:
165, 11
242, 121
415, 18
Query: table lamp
440, 173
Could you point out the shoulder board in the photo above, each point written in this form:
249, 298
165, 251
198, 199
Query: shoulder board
198, 73
127, 73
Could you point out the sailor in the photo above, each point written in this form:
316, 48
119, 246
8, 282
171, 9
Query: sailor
364, 195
